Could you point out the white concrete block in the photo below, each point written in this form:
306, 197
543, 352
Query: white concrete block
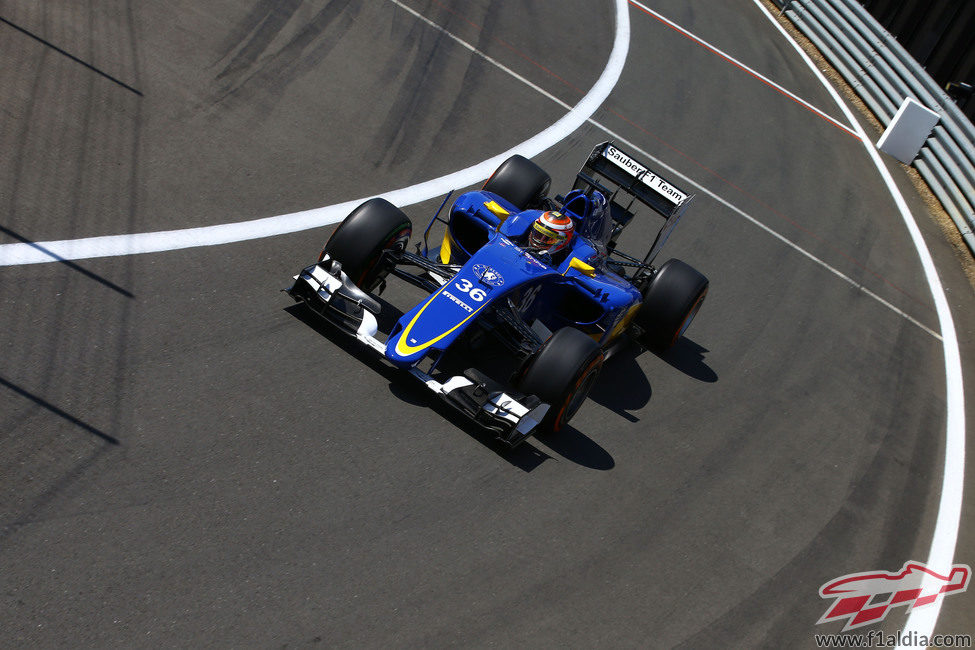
908, 130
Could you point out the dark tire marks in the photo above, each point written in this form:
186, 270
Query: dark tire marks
411, 82
259, 70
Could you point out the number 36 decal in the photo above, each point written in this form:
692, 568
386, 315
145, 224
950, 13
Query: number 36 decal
465, 285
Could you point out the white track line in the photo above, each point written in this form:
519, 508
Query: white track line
945, 539
152, 242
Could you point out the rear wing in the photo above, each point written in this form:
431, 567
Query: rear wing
613, 171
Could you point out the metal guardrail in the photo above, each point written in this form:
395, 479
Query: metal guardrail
883, 73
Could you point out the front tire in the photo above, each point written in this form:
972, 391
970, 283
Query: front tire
670, 303
360, 240
520, 182
561, 374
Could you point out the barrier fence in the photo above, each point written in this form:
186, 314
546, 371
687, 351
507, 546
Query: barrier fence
883, 74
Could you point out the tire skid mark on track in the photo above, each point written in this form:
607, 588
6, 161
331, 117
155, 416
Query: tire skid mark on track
407, 120
511, 47
254, 34
255, 72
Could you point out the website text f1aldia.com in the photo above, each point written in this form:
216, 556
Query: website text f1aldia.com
878, 639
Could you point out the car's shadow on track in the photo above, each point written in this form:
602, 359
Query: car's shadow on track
688, 357
623, 385
570, 443
575, 446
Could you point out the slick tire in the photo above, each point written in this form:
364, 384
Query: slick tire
519, 181
561, 374
670, 303
358, 243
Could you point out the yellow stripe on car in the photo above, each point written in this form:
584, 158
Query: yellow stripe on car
404, 349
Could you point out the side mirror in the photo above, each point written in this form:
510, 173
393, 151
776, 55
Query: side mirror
581, 267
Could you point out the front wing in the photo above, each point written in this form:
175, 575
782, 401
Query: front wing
329, 292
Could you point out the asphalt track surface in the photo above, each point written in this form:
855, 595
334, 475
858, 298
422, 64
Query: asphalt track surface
187, 459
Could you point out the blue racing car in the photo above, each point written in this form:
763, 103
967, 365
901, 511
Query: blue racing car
541, 277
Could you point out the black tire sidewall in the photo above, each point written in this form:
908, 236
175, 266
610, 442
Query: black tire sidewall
675, 293
559, 369
361, 238
520, 182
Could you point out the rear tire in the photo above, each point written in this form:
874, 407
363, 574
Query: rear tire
520, 182
561, 374
358, 243
670, 303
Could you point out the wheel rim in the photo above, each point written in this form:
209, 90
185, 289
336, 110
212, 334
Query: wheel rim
578, 396
397, 240
690, 316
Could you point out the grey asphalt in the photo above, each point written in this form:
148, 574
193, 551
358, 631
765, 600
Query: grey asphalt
186, 459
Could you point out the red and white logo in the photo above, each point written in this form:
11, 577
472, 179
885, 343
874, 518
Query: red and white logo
865, 598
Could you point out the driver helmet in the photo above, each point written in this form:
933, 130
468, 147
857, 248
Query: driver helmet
552, 232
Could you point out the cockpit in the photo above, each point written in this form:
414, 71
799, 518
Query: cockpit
592, 217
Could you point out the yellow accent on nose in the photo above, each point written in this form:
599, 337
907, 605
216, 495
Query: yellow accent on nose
404, 349
581, 267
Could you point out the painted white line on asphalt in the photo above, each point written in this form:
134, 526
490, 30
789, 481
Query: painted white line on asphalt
152, 242
724, 55
941, 555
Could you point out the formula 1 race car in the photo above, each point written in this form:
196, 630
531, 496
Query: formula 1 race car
541, 277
